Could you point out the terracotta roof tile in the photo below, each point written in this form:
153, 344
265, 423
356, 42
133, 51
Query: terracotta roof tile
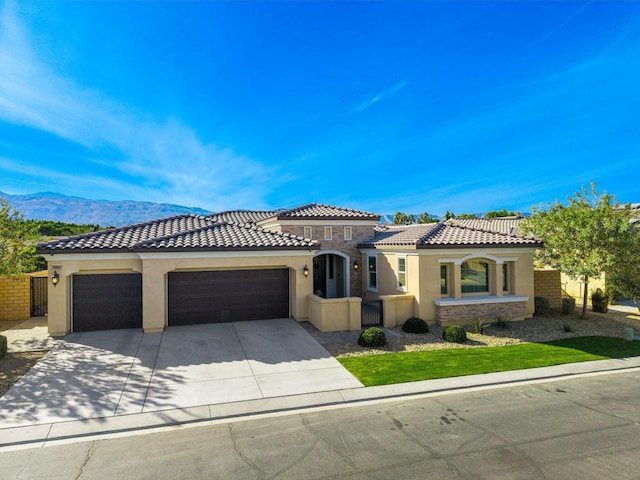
435, 235
506, 225
177, 233
323, 212
124, 238
242, 216
226, 236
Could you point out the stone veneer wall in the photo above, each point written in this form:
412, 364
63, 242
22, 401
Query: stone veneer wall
548, 284
461, 314
359, 233
15, 297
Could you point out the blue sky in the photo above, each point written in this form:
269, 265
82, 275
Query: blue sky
382, 106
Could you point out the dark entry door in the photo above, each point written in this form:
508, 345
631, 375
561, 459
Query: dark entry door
106, 302
39, 296
228, 296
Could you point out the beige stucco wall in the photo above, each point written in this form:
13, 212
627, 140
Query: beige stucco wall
424, 275
575, 287
396, 309
335, 314
154, 269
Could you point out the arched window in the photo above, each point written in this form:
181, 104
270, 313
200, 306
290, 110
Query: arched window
474, 275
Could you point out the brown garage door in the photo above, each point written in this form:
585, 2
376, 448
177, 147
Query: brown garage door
228, 296
106, 302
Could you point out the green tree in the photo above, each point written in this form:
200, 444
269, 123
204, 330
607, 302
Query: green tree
624, 278
426, 218
17, 242
400, 218
449, 215
467, 215
584, 238
501, 213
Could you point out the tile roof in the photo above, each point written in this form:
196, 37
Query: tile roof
506, 225
435, 235
242, 216
221, 236
184, 232
125, 238
317, 211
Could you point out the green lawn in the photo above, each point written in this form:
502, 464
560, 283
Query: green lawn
413, 366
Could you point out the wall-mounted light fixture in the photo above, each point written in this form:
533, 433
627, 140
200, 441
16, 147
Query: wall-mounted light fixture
55, 278
356, 265
305, 271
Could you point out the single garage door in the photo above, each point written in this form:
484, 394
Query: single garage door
106, 302
228, 296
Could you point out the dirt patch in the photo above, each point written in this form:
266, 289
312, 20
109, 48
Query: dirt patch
14, 366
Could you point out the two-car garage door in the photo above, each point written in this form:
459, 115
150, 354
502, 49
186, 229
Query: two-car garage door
227, 296
111, 301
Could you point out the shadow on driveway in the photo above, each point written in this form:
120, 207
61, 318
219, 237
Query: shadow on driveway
116, 372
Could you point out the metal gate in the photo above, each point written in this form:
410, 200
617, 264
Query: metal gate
371, 313
39, 296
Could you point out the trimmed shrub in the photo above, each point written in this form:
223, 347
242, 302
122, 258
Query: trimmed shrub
415, 325
600, 301
542, 306
454, 334
3, 346
372, 337
568, 306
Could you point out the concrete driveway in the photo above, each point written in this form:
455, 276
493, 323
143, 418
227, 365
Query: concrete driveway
120, 372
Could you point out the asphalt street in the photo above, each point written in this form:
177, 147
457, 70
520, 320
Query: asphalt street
586, 428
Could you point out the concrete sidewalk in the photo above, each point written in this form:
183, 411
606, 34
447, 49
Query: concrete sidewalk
38, 435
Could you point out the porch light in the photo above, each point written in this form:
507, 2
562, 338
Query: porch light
356, 265
305, 271
55, 278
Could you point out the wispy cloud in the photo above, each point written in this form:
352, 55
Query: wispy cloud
568, 19
169, 154
380, 96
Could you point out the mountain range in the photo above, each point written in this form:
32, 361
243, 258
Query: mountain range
107, 213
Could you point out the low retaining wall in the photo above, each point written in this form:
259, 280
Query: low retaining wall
396, 309
334, 314
451, 311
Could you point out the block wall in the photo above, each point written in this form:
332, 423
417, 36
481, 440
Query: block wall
548, 284
15, 297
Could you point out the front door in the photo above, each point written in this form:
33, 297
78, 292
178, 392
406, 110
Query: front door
329, 276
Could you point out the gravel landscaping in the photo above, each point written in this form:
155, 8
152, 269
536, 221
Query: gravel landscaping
537, 329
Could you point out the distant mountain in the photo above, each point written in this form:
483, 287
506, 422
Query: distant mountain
63, 208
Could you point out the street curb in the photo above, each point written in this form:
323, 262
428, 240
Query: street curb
33, 436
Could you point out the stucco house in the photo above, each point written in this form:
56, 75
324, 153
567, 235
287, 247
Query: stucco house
314, 262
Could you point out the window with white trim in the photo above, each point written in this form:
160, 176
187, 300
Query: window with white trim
347, 233
474, 277
505, 277
402, 273
444, 280
372, 277
328, 233
308, 232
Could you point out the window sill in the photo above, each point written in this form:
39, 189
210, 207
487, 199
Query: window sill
480, 300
